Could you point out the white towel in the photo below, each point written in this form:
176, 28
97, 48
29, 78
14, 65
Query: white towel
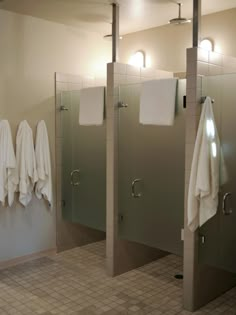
157, 103
91, 109
208, 171
8, 173
43, 187
26, 164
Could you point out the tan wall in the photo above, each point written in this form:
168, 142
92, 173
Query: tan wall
167, 45
31, 50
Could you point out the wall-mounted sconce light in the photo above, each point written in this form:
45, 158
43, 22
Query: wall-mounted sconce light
138, 59
207, 44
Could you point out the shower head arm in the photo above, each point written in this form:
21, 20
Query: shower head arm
179, 20
180, 5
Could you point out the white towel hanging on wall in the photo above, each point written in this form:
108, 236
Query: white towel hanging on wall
157, 102
43, 187
91, 108
208, 171
26, 163
8, 173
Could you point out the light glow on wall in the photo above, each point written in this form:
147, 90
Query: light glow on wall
138, 59
207, 44
218, 49
148, 62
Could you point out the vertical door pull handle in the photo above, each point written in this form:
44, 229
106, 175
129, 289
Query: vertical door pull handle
134, 194
224, 206
74, 183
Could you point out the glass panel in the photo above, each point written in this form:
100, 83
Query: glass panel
84, 152
154, 154
89, 197
67, 148
220, 237
209, 252
228, 134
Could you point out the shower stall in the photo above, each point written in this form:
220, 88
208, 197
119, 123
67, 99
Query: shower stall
146, 173
151, 174
83, 166
209, 254
148, 169
217, 236
131, 180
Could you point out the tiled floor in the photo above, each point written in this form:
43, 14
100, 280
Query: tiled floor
75, 282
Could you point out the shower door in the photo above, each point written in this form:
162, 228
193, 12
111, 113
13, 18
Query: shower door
151, 175
83, 167
218, 246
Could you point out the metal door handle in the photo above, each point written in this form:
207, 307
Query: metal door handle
72, 178
224, 206
133, 188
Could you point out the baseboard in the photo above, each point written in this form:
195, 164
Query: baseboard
19, 260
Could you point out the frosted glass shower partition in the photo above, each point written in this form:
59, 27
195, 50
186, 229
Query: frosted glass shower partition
218, 236
83, 167
151, 175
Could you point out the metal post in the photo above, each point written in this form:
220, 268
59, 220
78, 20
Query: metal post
197, 4
115, 31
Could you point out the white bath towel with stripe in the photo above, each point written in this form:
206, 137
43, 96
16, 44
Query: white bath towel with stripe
26, 163
208, 171
43, 187
8, 173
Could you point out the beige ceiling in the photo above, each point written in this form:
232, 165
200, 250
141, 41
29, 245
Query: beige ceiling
95, 15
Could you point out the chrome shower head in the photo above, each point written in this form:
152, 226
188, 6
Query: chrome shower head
179, 20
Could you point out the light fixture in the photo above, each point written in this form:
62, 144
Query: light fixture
138, 59
207, 44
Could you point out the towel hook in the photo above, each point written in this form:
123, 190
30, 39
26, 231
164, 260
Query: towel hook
122, 104
203, 98
62, 107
